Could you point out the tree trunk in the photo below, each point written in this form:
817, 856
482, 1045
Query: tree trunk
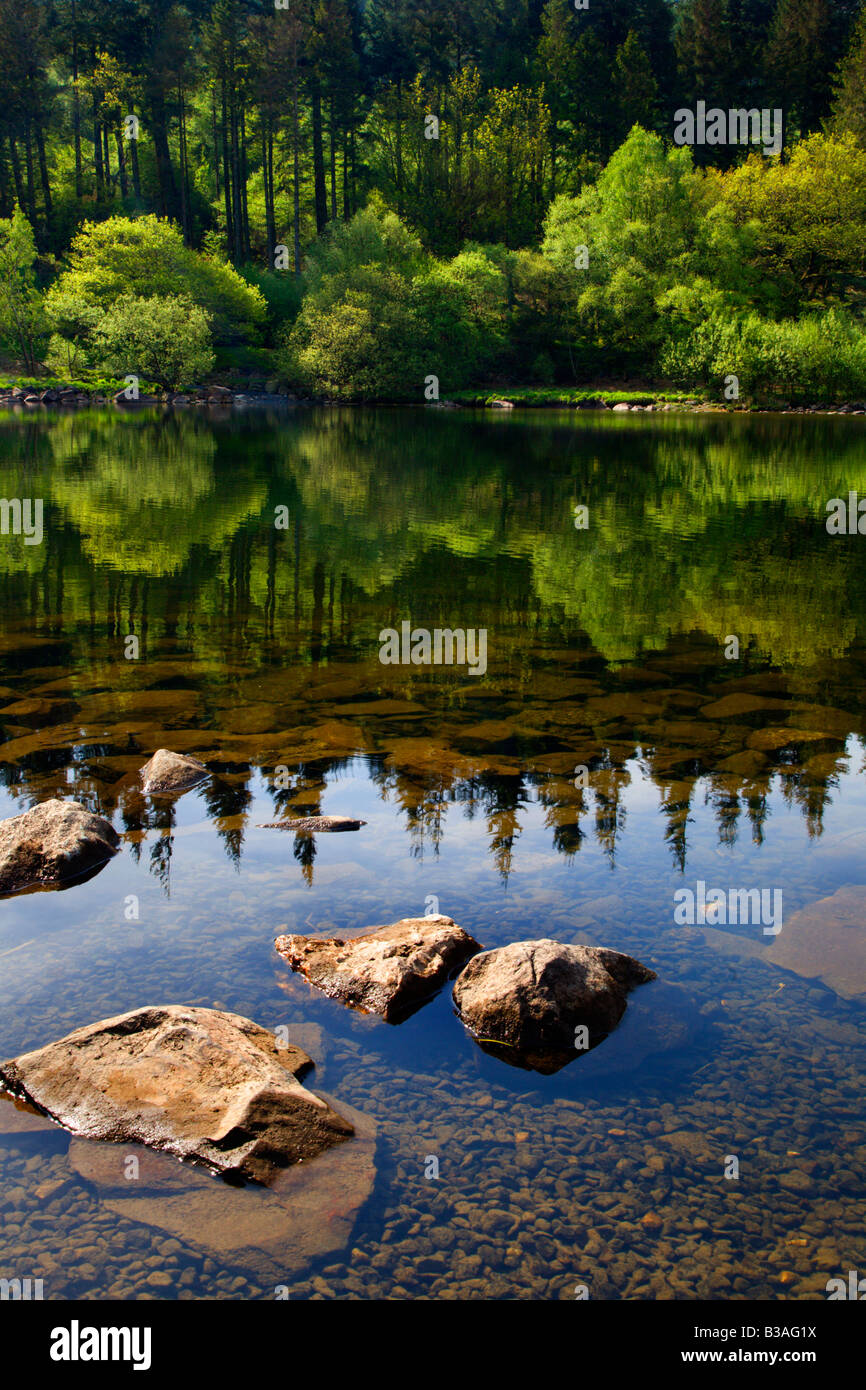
76, 107
296, 192
133, 160
216, 143
227, 188
16, 173
6, 203
168, 198
354, 172
237, 233
399, 150
346, 213
43, 174
332, 121
319, 159
97, 155
31, 190
245, 212
184, 173
268, 179
121, 164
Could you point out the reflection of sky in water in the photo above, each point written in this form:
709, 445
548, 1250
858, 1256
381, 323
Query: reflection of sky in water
214, 922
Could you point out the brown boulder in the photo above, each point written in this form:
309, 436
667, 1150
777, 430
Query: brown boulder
171, 772
390, 970
204, 1085
531, 996
309, 1210
52, 843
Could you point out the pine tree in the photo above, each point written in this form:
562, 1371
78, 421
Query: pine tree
704, 56
635, 86
800, 61
849, 103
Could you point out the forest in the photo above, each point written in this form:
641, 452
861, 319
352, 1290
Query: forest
381, 201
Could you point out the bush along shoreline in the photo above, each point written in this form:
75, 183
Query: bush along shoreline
743, 287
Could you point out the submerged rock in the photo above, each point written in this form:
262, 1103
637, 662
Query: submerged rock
827, 941
390, 970
171, 772
530, 997
201, 1084
314, 824
662, 1026
52, 843
308, 1211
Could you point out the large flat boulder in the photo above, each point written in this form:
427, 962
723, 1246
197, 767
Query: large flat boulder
53, 843
168, 772
827, 941
204, 1085
389, 970
530, 997
307, 1212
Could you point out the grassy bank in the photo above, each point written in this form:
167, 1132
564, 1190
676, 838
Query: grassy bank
572, 396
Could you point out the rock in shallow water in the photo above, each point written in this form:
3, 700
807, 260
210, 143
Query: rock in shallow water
531, 996
171, 772
314, 824
307, 1212
827, 941
390, 970
201, 1084
51, 844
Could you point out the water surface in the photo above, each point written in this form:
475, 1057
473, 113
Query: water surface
608, 649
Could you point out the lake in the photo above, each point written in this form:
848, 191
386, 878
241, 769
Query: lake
619, 748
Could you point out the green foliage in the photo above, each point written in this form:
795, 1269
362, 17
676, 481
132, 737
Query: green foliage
364, 344
815, 360
281, 293
146, 256
167, 339
806, 218
22, 318
640, 226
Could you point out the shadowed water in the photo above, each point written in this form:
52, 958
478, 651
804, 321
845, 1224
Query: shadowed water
258, 652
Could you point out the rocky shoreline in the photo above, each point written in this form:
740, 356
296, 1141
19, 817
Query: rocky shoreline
29, 398
72, 398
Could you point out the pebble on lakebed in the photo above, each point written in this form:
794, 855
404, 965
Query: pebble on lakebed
201, 1084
